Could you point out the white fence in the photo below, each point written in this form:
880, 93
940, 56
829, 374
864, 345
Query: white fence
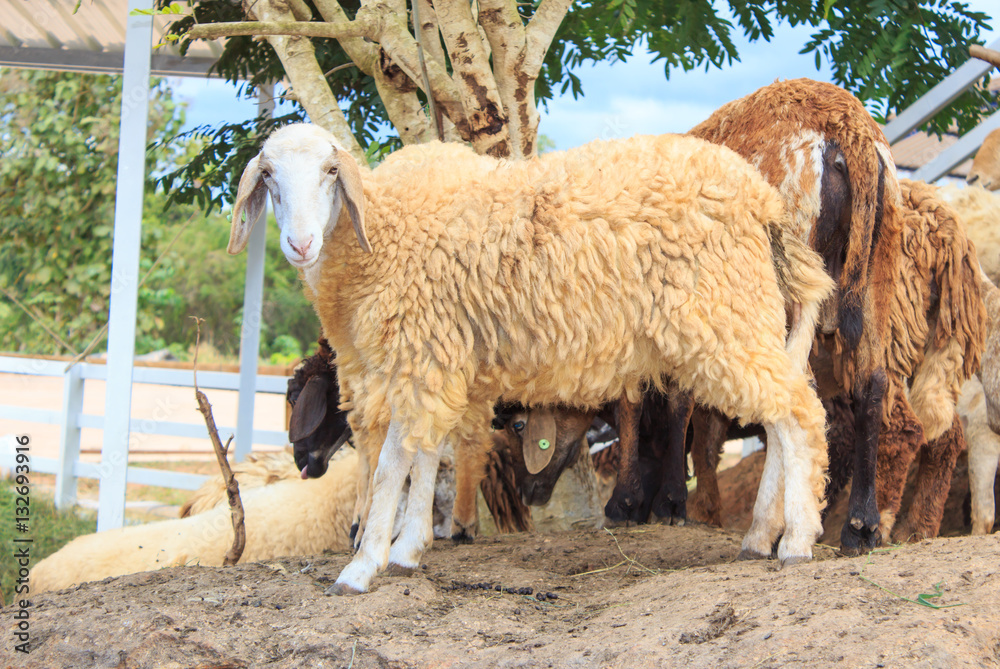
67, 466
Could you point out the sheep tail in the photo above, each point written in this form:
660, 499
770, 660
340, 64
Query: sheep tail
804, 284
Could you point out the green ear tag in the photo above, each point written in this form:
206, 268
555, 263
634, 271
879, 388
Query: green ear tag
543, 444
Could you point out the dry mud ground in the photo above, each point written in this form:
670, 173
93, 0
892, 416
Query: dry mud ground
650, 596
654, 596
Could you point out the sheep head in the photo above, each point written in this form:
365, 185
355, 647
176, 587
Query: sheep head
985, 170
543, 442
313, 181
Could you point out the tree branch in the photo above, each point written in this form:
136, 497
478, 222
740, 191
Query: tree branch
361, 52
982, 53
540, 31
290, 28
476, 84
298, 57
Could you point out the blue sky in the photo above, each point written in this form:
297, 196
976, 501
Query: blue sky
620, 99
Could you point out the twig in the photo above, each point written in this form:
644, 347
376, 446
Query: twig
232, 486
982, 53
97, 338
921, 600
38, 319
353, 649
344, 66
438, 121
631, 561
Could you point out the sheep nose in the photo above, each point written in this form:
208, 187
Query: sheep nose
304, 249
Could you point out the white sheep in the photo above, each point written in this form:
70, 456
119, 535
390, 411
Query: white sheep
575, 279
322, 510
979, 210
985, 170
984, 454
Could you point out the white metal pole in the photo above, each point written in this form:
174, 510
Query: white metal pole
125, 266
69, 438
934, 100
253, 302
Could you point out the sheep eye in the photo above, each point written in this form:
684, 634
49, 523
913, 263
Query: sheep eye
265, 174
518, 426
332, 171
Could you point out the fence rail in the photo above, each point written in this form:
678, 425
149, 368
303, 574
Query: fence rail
68, 467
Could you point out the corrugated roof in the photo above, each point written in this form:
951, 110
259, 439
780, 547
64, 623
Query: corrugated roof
918, 148
47, 34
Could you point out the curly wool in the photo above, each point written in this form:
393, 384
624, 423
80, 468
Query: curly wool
781, 130
938, 320
637, 286
979, 210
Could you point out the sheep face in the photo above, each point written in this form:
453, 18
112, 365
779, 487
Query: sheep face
312, 181
832, 229
536, 473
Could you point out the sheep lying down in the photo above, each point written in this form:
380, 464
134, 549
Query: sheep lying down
574, 280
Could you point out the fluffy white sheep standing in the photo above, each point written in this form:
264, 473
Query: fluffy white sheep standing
573, 280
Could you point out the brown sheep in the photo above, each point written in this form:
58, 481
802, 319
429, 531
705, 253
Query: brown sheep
816, 143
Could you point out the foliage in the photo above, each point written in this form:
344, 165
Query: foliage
58, 162
50, 530
907, 46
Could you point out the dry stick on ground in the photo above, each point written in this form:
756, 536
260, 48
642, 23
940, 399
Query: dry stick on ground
232, 486
982, 53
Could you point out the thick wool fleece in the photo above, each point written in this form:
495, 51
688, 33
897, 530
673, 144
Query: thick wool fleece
323, 516
259, 469
938, 320
979, 210
781, 129
553, 281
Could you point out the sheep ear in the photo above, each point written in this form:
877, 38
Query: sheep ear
353, 195
540, 442
250, 199
309, 409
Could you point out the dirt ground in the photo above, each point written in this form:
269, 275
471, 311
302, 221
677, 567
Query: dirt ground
640, 597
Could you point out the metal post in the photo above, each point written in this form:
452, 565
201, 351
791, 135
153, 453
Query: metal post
253, 302
69, 438
959, 152
934, 100
125, 266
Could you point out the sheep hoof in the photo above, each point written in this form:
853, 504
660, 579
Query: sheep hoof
399, 570
794, 559
462, 537
747, 554
342, 589
625, 509
857, 539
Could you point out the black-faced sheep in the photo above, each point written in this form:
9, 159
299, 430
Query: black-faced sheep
575, 279
799, 134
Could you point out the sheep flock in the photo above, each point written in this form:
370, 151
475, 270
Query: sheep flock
766, 273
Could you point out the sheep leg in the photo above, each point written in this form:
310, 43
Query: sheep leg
937, 462
840, 445
982, 473
768, 509
861, 530
670, 503
418, 520
901, 440
626, 504
710, 429
802, 439
394, 464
